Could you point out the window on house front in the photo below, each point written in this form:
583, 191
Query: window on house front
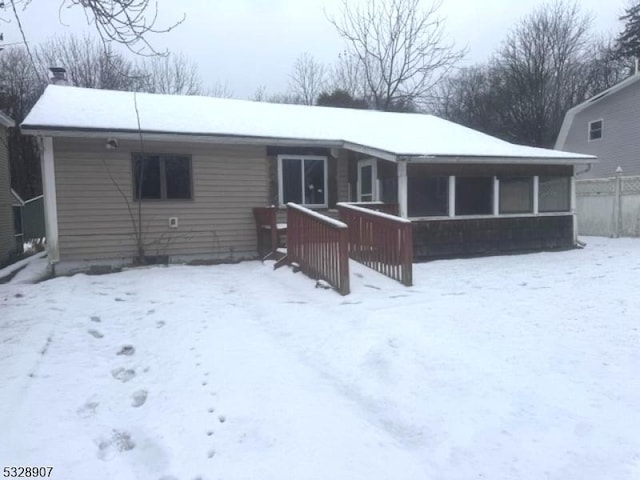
516, 194
474, 195
427, 195
595, 130
162, 177
554, 194
302, 180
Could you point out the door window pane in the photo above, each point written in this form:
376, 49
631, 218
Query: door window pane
474, 195
554, 194
314, 188
516, 195
366, 184
427, 195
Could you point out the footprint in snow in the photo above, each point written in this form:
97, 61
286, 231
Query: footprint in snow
118, 441
222, 419
209, 433
138, 398
149, 312
160, 324
123, 374
88, 409
95, 334
211, 453
95, 318
127, 350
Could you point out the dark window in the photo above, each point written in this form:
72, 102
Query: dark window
303, 181
474, 195
595, 130
427, 195
554, 194
516, 195
166, 177
17, 220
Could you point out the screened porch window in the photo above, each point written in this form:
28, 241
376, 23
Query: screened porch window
302, 180
474, 195
554, 194
427, 195
516, 194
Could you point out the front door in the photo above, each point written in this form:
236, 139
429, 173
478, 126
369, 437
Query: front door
367, 180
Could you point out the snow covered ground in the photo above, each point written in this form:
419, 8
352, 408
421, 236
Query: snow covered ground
517, 367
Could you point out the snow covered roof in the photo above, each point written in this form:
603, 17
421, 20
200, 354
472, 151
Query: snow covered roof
62, 110
572, 112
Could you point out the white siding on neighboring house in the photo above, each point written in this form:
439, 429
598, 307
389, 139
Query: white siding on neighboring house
7, 239
94, 222
620, 142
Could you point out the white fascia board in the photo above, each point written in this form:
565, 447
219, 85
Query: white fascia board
583, 159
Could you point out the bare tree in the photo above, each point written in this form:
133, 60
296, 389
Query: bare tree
307, 79
400, 46
125, 22
544, 70
346, 75
219, 90
173, 74
88, 63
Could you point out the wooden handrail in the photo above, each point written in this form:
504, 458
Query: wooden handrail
319, 245
380, 241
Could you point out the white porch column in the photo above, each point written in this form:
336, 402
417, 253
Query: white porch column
496, 196
402, 188
50, 200
452, 196
573, 206
536, 198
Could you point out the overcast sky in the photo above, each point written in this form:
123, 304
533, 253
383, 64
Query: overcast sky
249, 43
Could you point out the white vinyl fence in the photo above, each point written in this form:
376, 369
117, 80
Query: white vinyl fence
609, 206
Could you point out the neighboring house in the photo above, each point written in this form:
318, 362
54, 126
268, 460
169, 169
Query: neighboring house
606, 126
7, 240
200, 164
608, 193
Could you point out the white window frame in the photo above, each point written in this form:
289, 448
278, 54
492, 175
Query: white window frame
601, 130
302, 158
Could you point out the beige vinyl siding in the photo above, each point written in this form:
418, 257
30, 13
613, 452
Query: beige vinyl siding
619, 145
7, 239
94, 222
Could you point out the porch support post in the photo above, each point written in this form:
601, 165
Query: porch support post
50, 199
402, 187
452, 196
573, 206
496, 196
536, 197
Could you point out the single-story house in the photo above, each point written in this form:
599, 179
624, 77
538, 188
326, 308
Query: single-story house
7, 240
189, 170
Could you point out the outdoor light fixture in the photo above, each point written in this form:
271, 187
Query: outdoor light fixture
112, 143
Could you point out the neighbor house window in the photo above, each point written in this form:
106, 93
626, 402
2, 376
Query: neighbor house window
162, 177
427, 195
302, 180
516, 194
554, 194
474, 195
595, 130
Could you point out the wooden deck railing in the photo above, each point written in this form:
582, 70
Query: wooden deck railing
390, 208
319, 245
380, 241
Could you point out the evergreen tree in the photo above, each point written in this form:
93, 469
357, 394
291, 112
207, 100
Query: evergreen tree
628, 41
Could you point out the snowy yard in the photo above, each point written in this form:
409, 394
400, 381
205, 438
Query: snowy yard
516, 367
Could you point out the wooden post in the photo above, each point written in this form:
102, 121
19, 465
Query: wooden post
452, 196
344, 261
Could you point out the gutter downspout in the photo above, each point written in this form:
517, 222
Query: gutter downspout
50, 200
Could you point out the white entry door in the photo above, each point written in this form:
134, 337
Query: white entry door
367, 180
